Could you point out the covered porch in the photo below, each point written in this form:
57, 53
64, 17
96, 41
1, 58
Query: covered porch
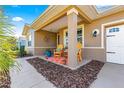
64, 38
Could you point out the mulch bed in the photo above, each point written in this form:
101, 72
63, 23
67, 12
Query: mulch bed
63, 77
5, 80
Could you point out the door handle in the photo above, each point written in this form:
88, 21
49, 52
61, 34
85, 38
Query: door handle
111, 52
111, 35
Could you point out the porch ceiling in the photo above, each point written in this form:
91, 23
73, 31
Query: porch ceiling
59, 24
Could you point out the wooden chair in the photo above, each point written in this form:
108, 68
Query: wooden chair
79, 53
59, 51
66, 53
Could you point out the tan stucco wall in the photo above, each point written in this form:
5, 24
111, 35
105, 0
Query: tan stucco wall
89, 41
41, 51
44, 40
98, 54
94, 54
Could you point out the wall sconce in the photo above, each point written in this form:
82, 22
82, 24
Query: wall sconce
95, 32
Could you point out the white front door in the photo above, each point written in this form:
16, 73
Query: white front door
115, 44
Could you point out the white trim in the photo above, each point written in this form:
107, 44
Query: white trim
102, 36
73, 10
103, 28
93, 47
64, 34
57, 38
41, 47
32, 39
82, 26
114, 22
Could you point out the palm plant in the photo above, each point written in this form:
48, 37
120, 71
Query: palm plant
7, 44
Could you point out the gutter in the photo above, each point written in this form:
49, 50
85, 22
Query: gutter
49, 8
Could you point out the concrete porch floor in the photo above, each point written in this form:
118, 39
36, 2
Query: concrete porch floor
77, 65
111, 75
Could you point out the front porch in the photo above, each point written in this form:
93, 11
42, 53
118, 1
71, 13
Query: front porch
67, 31
59, 61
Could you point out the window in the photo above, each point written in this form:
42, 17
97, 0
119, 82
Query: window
66, 39
22, 43
103, 8
79, 37
29, 40
113, 30
58, 39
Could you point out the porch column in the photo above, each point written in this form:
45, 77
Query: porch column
72, 37
32, 33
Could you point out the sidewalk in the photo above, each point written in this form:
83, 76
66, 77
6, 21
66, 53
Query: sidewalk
27, 76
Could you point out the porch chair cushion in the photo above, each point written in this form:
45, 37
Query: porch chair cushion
58, 50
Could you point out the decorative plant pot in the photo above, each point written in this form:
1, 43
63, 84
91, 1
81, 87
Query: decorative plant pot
48, 53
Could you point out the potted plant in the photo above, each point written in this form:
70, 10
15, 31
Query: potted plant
22, 52
48, 53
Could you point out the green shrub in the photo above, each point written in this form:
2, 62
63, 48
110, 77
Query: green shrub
7, 44
22, 51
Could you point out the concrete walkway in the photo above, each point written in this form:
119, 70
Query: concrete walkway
28, 77
110, 76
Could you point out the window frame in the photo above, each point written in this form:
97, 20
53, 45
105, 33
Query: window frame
29, 40
78, 27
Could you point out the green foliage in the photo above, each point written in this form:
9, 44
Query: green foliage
22, 51
7, 44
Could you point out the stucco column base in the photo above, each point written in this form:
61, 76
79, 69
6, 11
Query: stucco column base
72, 39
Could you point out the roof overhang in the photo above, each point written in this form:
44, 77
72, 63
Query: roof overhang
87, 13
41, 22
93, 14
26, 29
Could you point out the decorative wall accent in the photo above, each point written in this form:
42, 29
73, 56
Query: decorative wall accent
47, 38
95, 32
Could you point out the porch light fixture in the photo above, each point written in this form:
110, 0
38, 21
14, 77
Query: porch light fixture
95, 32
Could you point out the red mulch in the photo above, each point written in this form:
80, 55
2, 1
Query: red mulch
63, 77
